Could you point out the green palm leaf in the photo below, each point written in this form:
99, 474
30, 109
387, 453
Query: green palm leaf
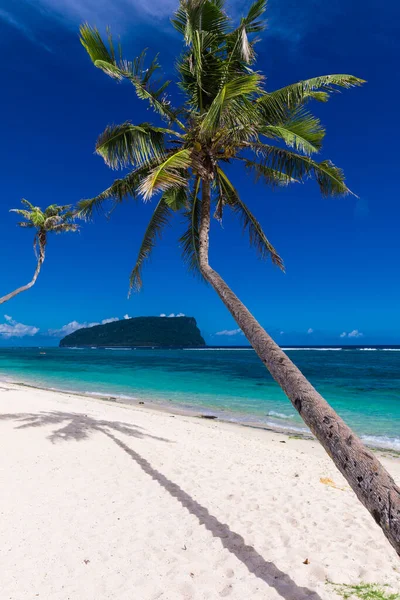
27, 204
239, 42
189, 241
270, 176
200, 15
170, 173
127, 144
23, 213
254, 22
105, 58
274, 105
120, 189
232, 105
159, 220
301, 131
257, 236
329, 177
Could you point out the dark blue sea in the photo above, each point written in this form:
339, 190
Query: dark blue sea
362, 384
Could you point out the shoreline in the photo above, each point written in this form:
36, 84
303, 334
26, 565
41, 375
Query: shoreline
193, 412
363, 387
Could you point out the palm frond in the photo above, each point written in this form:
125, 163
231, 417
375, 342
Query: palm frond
232, 105
270, 176
159, 220
170, 173
300, 130
254, 21
257, 236
239, 44
176, 198
65, 227
274, 105
120, 189
200, 15
23, 213
127, 144
329, 177
25, 202
53, 210
135, 71
25, 224
189, 241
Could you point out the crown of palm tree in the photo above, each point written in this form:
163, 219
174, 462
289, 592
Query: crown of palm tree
54, 219
228, 117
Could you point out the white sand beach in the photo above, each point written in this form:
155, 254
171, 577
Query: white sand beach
105, 501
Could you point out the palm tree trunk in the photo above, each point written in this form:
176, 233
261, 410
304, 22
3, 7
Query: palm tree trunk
372, 484
23, 288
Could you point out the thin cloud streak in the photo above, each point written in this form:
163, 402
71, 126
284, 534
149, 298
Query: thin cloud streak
22, 28
102, 12
291, 23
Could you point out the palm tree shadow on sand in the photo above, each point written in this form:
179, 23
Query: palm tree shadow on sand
79, 427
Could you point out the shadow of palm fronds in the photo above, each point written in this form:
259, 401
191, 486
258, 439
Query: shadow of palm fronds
75, 426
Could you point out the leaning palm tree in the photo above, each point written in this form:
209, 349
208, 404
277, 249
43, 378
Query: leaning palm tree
55, 219
230, 118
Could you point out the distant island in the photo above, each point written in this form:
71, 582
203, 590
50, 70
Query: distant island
139, 332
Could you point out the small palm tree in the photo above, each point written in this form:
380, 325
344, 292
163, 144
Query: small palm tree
55, 219
229, 118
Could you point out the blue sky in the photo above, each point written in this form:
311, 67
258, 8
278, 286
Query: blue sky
341, 255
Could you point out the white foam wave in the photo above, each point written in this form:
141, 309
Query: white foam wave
110, 395
382, 441
390, 349
74, 348
273, 413
368, 349
117, 348
219, 349
62, 390
288, 428
316, 349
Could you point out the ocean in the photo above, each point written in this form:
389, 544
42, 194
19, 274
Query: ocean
362, 384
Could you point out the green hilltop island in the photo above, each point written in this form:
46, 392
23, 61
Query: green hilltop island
139, 332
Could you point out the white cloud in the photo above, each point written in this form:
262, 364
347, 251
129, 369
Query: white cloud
69, 328
355, 333
309, 331
180, 315
111, 320
13, 329
127, 317
163, 315
75, 325
229, 332
171, 315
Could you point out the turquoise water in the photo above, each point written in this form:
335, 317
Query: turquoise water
363, 386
